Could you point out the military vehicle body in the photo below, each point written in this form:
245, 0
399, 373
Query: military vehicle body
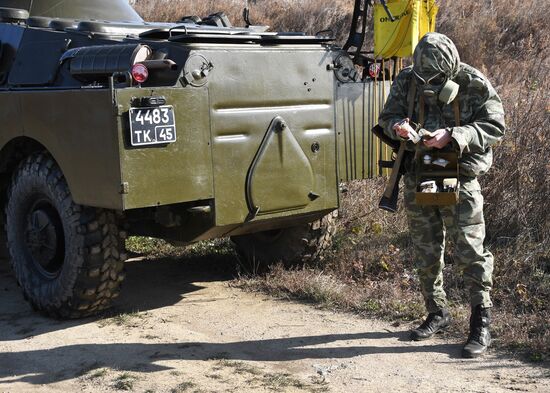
185, 131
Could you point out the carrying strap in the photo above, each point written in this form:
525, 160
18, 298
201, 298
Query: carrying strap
421, 110
410, 98
456, 109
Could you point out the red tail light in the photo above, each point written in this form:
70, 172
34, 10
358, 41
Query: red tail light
140, 73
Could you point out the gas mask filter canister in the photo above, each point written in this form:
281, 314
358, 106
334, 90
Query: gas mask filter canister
448, 92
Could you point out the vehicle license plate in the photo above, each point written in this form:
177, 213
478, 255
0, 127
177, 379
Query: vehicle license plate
152, 126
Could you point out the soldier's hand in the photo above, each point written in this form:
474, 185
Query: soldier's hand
402, 128
440, 139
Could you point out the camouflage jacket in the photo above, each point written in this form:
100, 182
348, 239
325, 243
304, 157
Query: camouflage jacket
481, 117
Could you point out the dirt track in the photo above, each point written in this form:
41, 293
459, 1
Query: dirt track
195, 333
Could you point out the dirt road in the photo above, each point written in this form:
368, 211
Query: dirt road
195, 333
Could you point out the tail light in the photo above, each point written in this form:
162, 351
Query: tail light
140, 73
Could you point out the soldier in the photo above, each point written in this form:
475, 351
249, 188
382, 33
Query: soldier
439, 91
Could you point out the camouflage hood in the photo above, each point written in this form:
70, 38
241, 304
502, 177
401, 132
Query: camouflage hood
436, 53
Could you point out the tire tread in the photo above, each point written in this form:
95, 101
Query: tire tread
100, 248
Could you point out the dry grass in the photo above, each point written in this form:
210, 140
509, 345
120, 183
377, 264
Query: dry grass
286, 15
370, 269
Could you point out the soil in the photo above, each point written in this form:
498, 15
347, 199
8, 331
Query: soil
182, 326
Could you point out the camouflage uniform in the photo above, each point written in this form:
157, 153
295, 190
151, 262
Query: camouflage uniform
481, 126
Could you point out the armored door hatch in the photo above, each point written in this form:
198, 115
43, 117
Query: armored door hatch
280, 177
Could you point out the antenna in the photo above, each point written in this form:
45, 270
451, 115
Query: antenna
246, 12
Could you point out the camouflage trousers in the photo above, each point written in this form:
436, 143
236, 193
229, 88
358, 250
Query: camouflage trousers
464, 225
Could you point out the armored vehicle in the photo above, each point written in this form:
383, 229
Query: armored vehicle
193, 130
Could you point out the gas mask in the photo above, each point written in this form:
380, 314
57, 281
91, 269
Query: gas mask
437, 88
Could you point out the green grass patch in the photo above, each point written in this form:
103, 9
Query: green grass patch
149, 246
183, 387
129, 319
125, 381
102, 372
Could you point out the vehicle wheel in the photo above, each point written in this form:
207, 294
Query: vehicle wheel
66, 257
291, 246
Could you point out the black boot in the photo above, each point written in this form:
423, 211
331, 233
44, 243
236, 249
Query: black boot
435, 322
480, 336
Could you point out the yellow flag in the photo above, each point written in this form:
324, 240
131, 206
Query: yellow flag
413, 19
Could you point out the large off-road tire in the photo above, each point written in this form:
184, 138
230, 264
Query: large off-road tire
67, 258
292, 246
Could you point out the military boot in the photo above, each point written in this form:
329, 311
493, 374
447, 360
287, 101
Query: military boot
480, 336
435, 322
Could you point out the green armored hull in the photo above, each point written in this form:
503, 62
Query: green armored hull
184, 131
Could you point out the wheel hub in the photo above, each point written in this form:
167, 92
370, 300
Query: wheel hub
44, 237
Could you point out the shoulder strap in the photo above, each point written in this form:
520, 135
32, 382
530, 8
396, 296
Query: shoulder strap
456, 109
410, 98
421, 112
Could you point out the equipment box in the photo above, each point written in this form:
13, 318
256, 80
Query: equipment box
437, 178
